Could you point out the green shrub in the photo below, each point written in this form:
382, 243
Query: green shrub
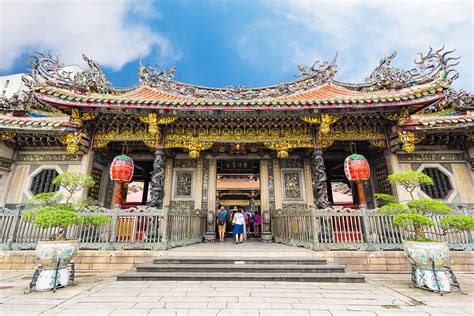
413, 216
53, 209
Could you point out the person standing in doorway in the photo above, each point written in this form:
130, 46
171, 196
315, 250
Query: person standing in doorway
257, 221
239, 226
221, 222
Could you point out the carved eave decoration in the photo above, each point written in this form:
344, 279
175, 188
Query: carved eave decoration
4, 136
409, 139
344, 133
103, 139
325, 120
193, 145
79, 118
71, 140
153, 121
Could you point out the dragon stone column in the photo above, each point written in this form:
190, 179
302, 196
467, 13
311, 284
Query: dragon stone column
157, 180
318, 173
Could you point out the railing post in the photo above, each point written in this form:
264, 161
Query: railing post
164, 227
113, 235
316, 228
366, 227
15, 226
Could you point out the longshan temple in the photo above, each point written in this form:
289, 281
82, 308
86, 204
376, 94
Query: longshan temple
278, 147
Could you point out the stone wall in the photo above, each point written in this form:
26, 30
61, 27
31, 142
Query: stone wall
361, 261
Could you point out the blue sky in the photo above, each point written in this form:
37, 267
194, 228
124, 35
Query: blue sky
235, 42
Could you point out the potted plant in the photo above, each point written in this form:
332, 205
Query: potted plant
414, 217
58, 210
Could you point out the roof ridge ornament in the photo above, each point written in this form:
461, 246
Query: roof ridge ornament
48, 69
432, 66
320, 72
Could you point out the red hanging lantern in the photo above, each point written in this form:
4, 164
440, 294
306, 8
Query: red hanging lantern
356, 167
121, 168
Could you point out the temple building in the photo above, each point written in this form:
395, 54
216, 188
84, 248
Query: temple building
271, 148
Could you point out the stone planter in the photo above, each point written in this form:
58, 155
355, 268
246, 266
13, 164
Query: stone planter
423, 254
49, 253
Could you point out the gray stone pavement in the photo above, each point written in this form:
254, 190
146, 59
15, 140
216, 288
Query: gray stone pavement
99, 294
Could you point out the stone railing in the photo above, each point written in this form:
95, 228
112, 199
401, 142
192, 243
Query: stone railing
135, 228
342, 228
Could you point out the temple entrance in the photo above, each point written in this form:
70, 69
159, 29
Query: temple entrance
238, 187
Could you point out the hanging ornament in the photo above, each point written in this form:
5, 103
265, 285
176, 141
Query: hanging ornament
121, 169
356, 167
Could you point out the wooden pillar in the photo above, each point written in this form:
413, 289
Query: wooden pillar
198, 184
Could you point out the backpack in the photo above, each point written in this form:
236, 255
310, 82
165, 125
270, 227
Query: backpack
221, 218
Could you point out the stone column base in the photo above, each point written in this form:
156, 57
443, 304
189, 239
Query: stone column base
210, 237
267, 237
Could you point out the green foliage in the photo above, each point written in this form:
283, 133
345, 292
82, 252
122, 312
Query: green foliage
407, 220
96, 219
410, 180
429, 207
394, 208
458, 222
52, 209
51, 216
385, 197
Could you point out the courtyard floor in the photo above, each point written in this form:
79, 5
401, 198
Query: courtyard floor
100, 294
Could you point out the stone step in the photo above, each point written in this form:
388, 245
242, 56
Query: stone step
241, 267
346, 277
239, 260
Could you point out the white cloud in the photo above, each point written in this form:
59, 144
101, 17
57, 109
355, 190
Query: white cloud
105, 30
365, 31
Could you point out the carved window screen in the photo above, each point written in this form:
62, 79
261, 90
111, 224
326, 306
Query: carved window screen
43, 182
292, 185
383, 185
94, 190
183, 184
441, 184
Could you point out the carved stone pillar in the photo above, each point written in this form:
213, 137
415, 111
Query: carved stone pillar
264, 195
157, 180
318, 173
211, 205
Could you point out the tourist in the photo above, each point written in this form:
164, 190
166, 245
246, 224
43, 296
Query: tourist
221, 222
239, 226
246, 218
257, 221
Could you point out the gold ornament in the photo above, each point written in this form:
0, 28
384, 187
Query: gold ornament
7, 135
102, 139
470, 135
193, 145
378, 143
79, 118
409, 139
311, 119
71, 140
326, 121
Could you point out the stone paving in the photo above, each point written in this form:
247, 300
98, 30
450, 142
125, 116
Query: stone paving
99, 294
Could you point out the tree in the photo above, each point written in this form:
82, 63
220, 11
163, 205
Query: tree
53, 209
414, 215
410, 180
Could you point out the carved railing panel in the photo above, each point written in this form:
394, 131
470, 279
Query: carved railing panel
344, 228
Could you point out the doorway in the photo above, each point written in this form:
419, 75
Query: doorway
238, 186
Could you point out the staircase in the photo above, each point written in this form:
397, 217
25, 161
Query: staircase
291, 269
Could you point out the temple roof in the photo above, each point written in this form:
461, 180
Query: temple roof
36, 124
144, 96
315, 88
